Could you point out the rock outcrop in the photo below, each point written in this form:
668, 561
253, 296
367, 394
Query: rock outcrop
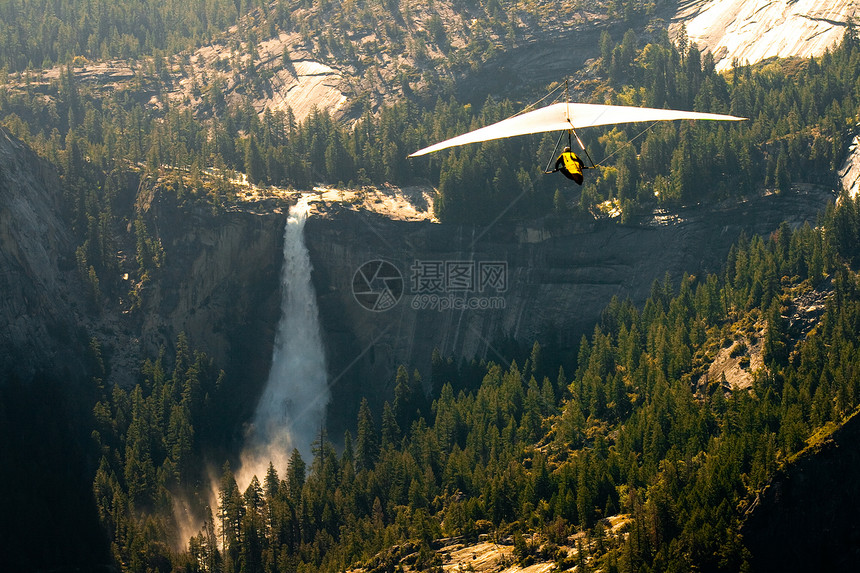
219, 284
754, 30
806, 518
849, 173
41, 298
559, 277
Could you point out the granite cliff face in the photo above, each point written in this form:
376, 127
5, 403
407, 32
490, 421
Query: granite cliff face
219, 283
754, 30
559, 276
806, 518
42, 298
849, 173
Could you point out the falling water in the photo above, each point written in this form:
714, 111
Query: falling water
292, 406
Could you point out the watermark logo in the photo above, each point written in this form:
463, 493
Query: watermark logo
458, 285
377, 285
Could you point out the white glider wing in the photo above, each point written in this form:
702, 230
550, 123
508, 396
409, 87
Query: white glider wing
564, 116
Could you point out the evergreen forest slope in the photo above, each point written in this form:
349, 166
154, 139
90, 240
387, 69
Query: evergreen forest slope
637, 454
631, 458
224, 108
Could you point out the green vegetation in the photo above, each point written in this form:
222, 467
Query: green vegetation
800, 113
799, 110
153, 442
533, 446
518, 450
41, 33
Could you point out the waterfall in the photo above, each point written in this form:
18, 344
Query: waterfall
292, 406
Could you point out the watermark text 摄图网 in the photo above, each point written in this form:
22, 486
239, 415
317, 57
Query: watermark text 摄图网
436, 276
458, 285
435, 284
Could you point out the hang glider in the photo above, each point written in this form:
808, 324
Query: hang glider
566, 116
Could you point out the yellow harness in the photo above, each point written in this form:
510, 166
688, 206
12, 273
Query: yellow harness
571, 162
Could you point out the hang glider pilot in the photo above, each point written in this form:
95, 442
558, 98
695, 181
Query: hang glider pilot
570, 165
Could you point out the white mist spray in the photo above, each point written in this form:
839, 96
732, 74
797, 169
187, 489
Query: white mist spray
292, 407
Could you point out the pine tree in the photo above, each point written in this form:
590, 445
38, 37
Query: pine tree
390, 429
253, 528
232, 511
559, 203
295, 476
366, 442
255, 166
775, 350
404, 398
272, 483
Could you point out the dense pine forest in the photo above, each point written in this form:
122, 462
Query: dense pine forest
530, 450
800, 116
41, 33
628, 458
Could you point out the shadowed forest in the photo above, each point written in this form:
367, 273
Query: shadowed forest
629, 457
525, 447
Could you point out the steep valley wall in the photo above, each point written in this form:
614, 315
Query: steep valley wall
806, 518
220, 283
560, 276
41, 296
